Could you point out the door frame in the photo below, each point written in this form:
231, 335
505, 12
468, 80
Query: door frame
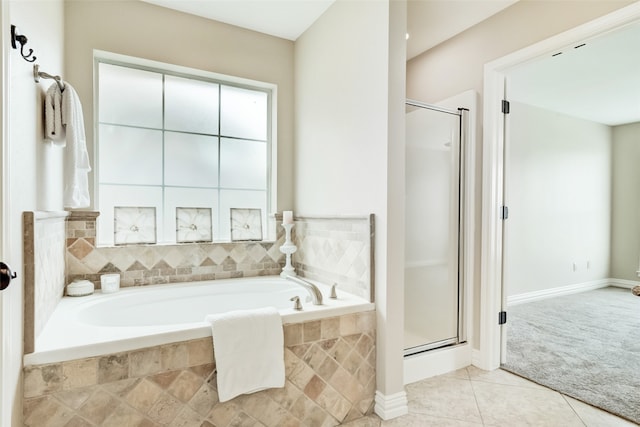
491, 257
6, 395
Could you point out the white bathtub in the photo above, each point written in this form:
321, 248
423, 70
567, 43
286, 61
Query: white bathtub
147, 316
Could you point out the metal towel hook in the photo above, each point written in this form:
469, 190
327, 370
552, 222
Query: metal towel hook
22, 40
37, 74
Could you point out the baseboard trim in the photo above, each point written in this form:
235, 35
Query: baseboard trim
622, 283
391, 406
436, 362
562, 290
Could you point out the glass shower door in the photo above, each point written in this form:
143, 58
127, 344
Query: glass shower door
432, 273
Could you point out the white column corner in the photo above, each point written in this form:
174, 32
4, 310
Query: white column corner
391, 406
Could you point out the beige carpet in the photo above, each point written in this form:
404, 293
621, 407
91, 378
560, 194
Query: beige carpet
585, 345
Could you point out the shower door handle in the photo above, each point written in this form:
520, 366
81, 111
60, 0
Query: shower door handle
6, 275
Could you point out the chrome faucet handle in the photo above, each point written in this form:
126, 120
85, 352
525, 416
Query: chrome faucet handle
297, 305
333, 295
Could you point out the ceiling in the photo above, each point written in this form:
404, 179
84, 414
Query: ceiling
598, 81
429, 22
286, 19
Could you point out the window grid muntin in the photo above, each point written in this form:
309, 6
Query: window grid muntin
219, 189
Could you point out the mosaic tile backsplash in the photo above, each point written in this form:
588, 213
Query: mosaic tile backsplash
330, 250
330, 379
156, 264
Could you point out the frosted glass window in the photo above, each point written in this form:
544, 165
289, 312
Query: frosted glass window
189, 198
130, 97
170, 139
191, 160
239, 199
243, 113
191, 105
130, 155
126, 195
243, 164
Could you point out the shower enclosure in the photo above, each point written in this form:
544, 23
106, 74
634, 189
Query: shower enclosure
434, 282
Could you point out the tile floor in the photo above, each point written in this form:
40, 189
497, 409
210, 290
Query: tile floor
473, 397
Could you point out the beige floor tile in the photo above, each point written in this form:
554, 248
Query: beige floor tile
523, 406
422, 420
500, 376
473, 397
461, 374
368, 421
444, 397
594, 417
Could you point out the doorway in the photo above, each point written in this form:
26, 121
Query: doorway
434, 280
491, 295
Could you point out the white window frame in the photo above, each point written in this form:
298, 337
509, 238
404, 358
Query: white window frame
222, 79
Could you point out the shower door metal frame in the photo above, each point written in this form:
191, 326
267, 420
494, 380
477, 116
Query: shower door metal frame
463, 124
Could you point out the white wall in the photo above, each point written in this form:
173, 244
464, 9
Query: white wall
559, 198
349, 159
32, 185
625, 228
341, 111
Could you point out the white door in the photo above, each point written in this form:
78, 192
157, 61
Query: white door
5, 412
5, 396
6, 392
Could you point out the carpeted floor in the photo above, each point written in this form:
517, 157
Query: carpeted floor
584, 345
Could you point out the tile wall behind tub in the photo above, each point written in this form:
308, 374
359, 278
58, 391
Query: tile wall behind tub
337, 250
330, 250
44, 275
329, 370
157, 264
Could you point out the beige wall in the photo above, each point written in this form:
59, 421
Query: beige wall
146, 31
625, 231
457, 65
559, 198
350, 70
29, 186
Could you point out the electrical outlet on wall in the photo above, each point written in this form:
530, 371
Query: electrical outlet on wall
574, 266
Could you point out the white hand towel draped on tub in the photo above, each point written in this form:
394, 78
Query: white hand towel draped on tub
64, 126
249, 351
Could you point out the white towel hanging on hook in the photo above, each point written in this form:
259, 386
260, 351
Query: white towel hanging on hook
76, 157
64, 127
53, 129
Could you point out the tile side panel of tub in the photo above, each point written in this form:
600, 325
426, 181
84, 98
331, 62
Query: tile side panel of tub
330, 379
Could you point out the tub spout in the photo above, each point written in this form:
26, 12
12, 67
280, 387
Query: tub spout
316, 295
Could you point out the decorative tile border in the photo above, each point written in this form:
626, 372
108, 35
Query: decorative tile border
330, 379
156, 264
330, 250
